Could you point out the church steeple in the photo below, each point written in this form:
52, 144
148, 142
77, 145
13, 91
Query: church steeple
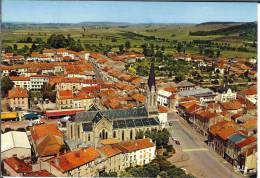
151, 94
151, 79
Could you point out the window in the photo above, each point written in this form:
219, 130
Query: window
131, 134
123, 135
114, 134
78, 131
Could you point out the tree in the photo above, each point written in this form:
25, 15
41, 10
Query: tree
121, 48
6, 85
152, 169
57, 41
9, 49
108, 174
140, 134
15, 47
33, 48
127, 45
179, 77
218, 53
29, 39
179, 47
113, 40
48, 93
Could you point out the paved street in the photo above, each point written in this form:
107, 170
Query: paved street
194, 154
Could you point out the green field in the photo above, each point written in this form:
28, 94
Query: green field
165, 35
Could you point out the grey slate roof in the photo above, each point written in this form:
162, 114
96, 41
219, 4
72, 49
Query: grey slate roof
112, 114
121, 118
195, 92
185, 83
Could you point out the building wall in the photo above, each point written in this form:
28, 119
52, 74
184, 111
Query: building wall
250, 162
11, 172
19, 102
20, 152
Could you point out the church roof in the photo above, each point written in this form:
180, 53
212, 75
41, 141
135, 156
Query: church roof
130, 123
112, 114
151, 79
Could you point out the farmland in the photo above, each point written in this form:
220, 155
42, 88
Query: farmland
96, 37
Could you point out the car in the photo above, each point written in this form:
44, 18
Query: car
177, 142
185, 170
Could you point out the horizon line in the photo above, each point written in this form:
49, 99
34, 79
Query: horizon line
128, 22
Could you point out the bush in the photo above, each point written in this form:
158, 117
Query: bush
165, 153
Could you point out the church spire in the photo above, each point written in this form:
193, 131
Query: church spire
151, 79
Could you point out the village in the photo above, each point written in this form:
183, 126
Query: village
68, 113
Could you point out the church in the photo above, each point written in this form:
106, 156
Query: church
95, 125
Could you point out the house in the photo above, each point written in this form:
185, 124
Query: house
225, 94
230, 153
16, 167
204, 95
15, 143
65, 99
21, 81
163, 97
185, 85
163, 115
115, 158
112, 156
47, 139
246, 151
78, 163
218, 135
204, 120
18, 99
139, 152
37, 81
249, 94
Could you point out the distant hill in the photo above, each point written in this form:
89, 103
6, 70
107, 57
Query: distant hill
218, 23
246, 30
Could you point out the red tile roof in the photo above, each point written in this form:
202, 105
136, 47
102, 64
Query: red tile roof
75, 159
40, 131
226, 132
232, 105
48, 139
66, 112
41, 173
249, 91
170, 89
110, 151
18, 165
18, 93
246, 141
65, 94
138, 97
162, 109
134, 145
206, 114
19, 78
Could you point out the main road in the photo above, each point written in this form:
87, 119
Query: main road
198, 158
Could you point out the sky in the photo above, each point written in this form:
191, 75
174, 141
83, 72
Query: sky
132, 12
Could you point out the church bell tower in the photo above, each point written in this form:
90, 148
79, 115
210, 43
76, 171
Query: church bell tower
151, 94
